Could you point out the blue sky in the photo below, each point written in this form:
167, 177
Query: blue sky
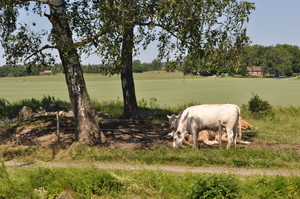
273, 22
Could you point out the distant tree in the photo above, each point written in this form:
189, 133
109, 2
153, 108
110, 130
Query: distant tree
295, 54
277, 61
254, 55
5, 71
57, 68
156, 64
21, 43
137, 66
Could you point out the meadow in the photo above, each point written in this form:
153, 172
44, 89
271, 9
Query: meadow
171, 89
275, 145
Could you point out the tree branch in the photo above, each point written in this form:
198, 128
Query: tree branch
38, 51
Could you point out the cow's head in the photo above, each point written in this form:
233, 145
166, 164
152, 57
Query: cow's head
173, 119
178, 138
178, 135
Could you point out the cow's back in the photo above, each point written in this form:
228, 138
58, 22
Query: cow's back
207, 116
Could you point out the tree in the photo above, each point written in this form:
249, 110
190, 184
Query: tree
137, 66
200, 28
23, 44
277, 61
295, 53
252, 56
156, 64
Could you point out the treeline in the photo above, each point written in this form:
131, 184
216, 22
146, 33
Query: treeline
279, 60
19, 70
282, 59
274, 61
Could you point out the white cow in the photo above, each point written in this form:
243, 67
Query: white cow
197, 118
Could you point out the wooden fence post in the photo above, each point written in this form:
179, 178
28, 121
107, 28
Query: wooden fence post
220, 135
57, 127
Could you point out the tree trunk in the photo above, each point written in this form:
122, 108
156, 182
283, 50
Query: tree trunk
130, 103
87, 128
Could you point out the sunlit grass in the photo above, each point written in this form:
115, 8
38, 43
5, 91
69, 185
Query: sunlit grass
170, 89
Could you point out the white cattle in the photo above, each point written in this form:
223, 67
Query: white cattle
174, 119
206, 117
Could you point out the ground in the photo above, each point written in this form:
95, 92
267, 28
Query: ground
122, 134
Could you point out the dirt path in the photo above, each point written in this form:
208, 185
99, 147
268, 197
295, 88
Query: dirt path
239, 171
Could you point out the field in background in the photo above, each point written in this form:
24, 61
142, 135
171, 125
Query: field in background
168, 88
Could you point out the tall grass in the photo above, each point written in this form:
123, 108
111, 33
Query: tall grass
49, 182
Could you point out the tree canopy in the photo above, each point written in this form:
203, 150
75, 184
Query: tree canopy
203, 29
22, 43
197, 28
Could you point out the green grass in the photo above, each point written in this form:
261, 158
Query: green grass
244, 158
170, 89
276, 145
49, 182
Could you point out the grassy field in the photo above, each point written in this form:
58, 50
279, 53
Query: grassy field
170, 89
275, 145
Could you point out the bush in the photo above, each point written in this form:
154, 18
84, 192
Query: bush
258, 107
215, 186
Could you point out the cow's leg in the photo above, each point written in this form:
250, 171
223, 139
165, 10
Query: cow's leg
243, 142
236, 134
230, 138
234, 137
211, 142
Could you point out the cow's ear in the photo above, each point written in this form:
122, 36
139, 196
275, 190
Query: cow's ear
170, 134
168, 116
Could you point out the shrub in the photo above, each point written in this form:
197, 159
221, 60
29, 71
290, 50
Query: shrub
258, 107
215, 186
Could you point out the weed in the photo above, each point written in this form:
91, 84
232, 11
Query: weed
216, 186
272, 187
